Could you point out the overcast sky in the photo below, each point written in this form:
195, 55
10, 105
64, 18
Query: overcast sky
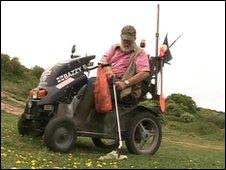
42, 33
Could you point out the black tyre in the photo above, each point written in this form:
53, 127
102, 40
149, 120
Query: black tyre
144, 134
60, 134
105, 143
22, 126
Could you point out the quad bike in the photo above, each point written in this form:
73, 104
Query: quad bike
58, 109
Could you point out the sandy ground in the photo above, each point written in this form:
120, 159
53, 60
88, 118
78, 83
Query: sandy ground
17, 108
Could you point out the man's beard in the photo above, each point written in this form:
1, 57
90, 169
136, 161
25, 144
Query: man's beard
127, 49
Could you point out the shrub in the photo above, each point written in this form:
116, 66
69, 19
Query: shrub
174, 110
37, 71
149, 103
16, 78
187, 117
185, 102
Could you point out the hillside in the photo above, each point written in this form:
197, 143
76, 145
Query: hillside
182, 147
193, 137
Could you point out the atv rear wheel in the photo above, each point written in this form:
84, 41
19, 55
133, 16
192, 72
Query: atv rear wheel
144, 134
60, 134
105, 143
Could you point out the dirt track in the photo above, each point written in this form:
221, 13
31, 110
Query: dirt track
17, 108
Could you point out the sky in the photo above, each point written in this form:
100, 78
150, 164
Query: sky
42, 33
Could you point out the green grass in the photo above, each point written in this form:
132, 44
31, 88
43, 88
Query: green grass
178, 150
204, 129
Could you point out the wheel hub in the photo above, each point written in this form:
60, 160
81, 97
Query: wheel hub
146, 135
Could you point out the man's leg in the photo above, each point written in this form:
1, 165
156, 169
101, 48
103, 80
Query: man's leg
86, 103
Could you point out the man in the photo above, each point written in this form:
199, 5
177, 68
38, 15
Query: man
129, 64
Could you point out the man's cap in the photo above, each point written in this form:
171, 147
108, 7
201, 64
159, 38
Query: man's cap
128, 32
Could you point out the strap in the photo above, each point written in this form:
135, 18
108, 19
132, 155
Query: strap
130, 71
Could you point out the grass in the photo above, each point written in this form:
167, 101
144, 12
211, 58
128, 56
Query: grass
178, 150
204, 129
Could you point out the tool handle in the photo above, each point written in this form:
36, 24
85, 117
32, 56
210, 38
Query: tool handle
113, 79
117, 113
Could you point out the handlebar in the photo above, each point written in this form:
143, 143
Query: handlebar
102, 65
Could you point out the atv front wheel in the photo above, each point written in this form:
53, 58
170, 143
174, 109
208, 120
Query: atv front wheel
22, 126
60, 134
144, 134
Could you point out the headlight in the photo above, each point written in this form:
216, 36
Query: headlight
37, 93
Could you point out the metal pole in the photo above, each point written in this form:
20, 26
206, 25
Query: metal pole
157, 33
156, 48
117, 115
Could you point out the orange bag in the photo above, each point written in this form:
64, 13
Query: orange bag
102, 93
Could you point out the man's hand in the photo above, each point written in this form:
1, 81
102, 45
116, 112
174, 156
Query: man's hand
120, 85
109, 73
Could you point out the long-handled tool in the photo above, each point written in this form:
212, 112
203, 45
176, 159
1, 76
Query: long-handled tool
117, 115
115, 154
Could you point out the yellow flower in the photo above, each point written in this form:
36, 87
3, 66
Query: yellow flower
99, 165
88, 164
3, 154
33, 161
18, 162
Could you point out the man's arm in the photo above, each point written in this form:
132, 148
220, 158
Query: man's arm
137, 78
108, 69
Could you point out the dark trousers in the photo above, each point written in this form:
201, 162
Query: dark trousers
87, 102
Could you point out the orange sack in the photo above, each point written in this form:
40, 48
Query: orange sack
102, 93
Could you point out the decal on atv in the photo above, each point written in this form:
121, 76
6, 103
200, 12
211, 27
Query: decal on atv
64, 83
46, 73
68, 75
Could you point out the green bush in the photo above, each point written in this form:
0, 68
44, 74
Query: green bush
149, 103
187, 117
174, 110
36, 71
186, 103
16, 78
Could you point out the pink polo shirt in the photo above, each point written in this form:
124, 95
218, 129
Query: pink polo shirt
120, 61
